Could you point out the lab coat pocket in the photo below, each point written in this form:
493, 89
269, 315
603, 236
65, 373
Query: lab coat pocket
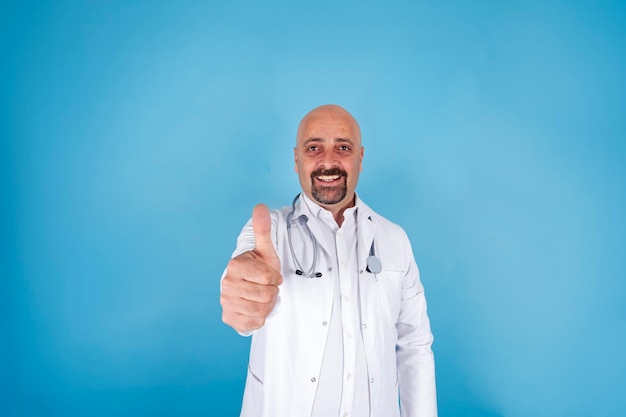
389, 283
253, 395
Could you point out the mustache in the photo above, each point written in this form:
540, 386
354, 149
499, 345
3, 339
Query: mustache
330, 171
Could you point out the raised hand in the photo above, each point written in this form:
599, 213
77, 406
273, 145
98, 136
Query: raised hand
250, 287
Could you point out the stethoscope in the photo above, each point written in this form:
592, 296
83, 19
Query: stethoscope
374, 265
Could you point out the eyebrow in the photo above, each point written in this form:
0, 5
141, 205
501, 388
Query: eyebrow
336, 140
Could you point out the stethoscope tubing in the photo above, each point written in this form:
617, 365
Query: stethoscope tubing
373, 264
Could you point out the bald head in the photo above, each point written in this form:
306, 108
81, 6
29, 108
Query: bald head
329, 113
328, 157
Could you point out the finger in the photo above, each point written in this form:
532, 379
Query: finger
262, 227
249, 289
258, 293
251, 267
243, 323
252, 308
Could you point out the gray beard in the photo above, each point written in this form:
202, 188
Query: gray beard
329, 195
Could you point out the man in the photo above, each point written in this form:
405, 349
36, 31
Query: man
331, 294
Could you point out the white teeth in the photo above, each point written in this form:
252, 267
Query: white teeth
328, 178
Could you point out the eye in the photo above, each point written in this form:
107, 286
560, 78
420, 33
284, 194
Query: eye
344, 148
312, 148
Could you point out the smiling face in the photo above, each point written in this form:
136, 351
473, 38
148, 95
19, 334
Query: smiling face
328, 157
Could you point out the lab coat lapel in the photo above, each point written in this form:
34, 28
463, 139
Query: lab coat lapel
366, 231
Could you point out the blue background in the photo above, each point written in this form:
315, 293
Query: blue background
136, 136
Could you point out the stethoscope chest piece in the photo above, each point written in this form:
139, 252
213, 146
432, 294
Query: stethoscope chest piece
373, 265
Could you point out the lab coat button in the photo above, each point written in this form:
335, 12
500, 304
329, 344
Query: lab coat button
313, 379
372, 380
324, 323
365, 325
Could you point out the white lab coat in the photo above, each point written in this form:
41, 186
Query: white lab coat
286, 353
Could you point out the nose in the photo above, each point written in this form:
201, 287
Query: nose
328, 159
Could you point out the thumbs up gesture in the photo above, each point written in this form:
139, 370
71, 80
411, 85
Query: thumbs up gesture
250, 286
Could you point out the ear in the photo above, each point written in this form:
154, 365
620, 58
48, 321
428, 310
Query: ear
295, 160
361, 159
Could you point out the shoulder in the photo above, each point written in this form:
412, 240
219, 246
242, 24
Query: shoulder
392, 244
383, 225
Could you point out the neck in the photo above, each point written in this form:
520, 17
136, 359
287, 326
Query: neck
338, 209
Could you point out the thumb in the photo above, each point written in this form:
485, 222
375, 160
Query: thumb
262, 226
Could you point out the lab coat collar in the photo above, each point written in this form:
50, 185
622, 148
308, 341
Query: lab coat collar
365, 218
312, 209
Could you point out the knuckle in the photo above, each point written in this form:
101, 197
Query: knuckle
263, 277
272, 292
267, 308
268, 294
275, 278
227, 285
232, 264
235, 264
258, 310
225, 301
256, 322
269, 275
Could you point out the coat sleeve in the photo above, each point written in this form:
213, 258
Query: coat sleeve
415, 360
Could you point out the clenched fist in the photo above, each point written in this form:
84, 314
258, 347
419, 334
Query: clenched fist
250, 286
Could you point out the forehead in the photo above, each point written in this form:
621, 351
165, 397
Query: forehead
328, 127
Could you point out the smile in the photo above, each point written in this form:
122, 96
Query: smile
328, 178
